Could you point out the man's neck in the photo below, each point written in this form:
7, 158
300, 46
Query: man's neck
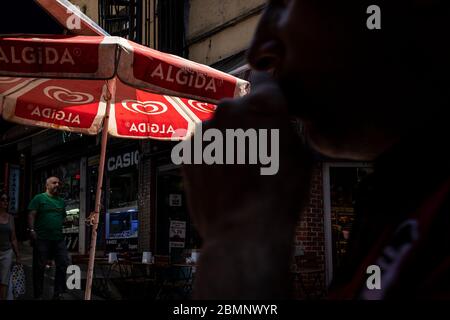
51, 195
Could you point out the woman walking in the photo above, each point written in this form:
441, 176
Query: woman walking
8, 245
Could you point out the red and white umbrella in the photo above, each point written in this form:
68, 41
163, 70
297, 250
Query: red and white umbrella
67, 85
80, 106
89, 84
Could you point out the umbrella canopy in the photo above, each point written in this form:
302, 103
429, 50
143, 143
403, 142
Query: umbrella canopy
105, 57
80, 106
59, 82
91, 83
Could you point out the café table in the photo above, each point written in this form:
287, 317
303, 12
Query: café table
104, 272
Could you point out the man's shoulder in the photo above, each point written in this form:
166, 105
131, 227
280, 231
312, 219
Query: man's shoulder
35, 202
39, 196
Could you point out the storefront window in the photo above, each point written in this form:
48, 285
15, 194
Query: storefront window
121, 225
123, 189
176, 234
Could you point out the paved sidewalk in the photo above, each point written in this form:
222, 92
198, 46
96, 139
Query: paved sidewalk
26, 252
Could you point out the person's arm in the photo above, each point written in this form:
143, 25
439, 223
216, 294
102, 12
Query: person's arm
248, 220
14, 243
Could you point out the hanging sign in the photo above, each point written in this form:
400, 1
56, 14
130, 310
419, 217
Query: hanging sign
14, 180
177, 234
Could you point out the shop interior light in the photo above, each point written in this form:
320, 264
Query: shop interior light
73, 211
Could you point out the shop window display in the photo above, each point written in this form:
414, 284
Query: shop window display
121, 228
176, 234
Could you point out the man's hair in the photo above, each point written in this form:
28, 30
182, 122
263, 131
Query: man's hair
51, 177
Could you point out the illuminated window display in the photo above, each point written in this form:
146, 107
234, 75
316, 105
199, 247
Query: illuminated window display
121, 225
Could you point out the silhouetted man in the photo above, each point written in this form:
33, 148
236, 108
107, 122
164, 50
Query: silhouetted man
47, 212
362, 94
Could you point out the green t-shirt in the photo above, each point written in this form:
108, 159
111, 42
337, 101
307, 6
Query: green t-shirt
51, 213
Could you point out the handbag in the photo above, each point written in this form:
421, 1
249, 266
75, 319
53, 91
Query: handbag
18, 280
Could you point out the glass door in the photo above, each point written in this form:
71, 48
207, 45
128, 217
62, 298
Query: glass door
340, 183
175, 234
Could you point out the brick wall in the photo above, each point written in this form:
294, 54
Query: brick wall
310, 229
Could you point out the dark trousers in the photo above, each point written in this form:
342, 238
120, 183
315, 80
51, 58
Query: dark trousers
43, 251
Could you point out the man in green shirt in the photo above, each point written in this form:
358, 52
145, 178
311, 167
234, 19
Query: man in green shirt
47, 212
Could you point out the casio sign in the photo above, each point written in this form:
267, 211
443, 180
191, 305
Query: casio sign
123, 161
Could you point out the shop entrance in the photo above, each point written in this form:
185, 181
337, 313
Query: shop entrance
340, 183
175, 234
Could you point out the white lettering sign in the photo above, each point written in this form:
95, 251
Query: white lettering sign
14, 178
151, 128
184, 77
177, 234
53, 114
175, 200
30, 55
125, 160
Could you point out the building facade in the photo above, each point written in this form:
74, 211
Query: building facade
144, 205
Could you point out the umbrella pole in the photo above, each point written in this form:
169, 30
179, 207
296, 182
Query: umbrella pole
98, 196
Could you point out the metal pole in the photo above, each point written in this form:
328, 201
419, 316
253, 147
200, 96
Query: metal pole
98, 195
